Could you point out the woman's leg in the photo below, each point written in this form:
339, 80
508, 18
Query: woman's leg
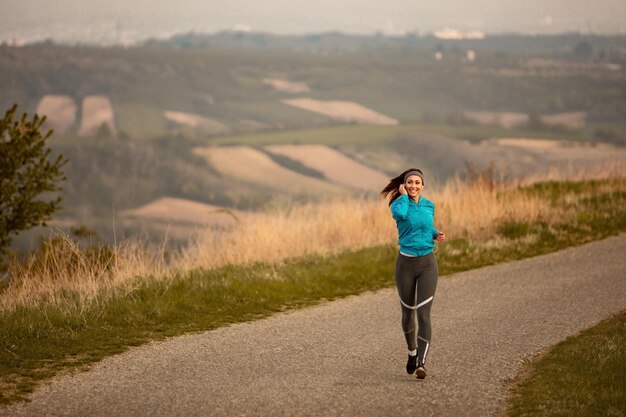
426, 286
406, 283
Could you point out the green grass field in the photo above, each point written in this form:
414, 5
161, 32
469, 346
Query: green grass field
581, 376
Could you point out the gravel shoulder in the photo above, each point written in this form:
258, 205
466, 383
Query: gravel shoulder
347, 357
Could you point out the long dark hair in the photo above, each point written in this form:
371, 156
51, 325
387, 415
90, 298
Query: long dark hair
394, 184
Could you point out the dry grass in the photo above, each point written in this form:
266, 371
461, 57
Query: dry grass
65, 273
475, 211
296, 231
331, 227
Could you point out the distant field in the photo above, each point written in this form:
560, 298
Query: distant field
180, 219
446, 150
353, 135
271, 113
97, 110
252, 166
196, 121
571, 120
336, 166
287, 86
185, 211
345, 111
529, 143
60, 112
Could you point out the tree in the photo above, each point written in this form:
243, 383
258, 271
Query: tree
25, 173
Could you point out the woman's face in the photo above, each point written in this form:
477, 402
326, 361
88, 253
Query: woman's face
413, 186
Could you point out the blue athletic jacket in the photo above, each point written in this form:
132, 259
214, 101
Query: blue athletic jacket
416, 226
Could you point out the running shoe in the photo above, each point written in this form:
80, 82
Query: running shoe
411, 365
420, 370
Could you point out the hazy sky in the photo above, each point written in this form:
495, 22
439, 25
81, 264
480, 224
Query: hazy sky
94, 20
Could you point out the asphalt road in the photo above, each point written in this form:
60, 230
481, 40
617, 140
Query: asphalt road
347, 357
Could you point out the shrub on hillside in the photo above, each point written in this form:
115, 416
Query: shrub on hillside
25, 174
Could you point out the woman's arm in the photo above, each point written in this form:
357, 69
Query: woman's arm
400, 207
437, 235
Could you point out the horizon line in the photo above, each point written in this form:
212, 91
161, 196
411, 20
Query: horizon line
17, 41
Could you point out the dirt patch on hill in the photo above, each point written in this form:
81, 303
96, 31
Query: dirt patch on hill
346, 111
180, 219
97, 110
287, 86
186, 212
196, 121
336, 166
253, 166
60, 112
529, 143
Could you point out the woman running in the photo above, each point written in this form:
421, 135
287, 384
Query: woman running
416, 267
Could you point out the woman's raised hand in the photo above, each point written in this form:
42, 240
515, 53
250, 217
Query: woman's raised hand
402, 189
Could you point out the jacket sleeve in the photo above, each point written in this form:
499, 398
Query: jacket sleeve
400, 207
435, 231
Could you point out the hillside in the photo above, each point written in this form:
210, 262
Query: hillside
242, 83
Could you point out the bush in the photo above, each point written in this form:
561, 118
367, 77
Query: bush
25, 173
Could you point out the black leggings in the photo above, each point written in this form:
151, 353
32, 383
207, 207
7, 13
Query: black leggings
416, 279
